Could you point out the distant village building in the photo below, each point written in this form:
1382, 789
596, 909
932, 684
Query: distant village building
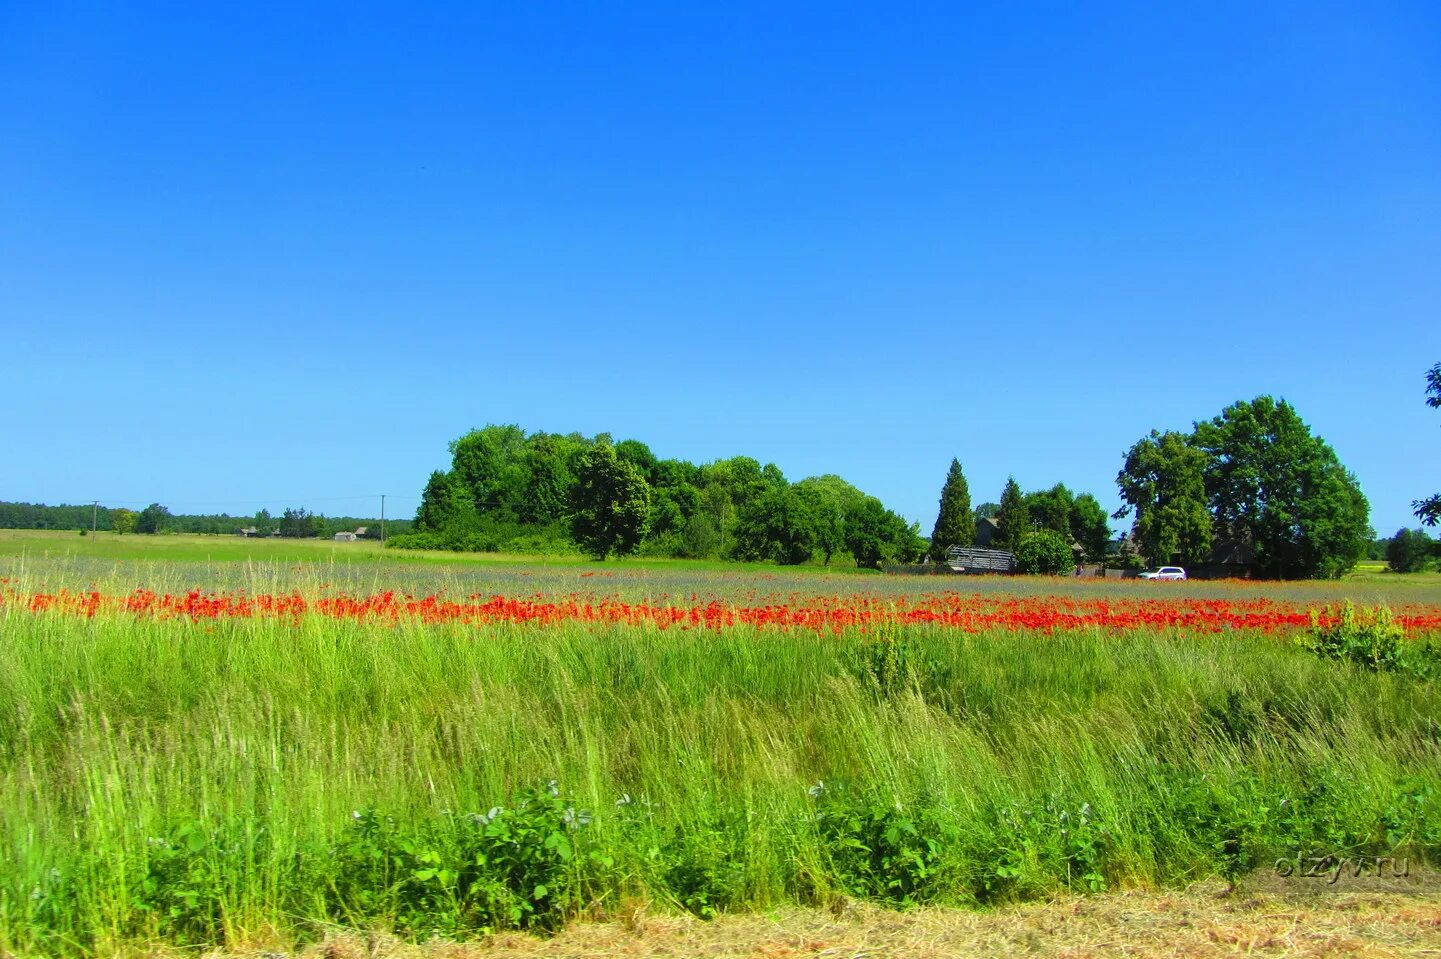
988, 530
351, 536
1228, 559
248, 531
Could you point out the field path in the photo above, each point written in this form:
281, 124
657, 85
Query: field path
1191, 925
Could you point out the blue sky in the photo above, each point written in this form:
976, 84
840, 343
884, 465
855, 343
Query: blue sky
254, 254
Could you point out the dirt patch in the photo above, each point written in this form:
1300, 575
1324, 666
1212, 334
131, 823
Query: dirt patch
1198, 923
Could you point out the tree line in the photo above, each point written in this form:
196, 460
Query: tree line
511, 491
1252, 482
1049, 530
296, 522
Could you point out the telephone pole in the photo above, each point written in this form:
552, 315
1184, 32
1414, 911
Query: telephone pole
94, 512
382, 519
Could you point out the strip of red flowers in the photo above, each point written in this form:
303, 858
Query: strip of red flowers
965, 612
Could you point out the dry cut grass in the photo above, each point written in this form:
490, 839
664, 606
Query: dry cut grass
1195, 924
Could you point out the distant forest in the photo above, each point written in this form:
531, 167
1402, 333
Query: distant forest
155, 518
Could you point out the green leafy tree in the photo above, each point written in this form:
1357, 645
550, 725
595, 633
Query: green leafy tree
675, 498
1410, 551
1164, 483
610, 504
1089, 527
701, 536
780, 525
834, 497
1272, 483
988, 511
638, 455
955, 523
1051, 509
548, 472
1044, 551
1014, 517
1428, 510
152, 519
446, 504
122, 521
490, 462
875, 535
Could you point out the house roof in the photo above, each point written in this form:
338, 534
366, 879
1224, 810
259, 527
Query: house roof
1234, 551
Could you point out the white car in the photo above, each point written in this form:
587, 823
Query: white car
1165, 572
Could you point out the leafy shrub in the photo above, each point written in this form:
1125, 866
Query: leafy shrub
697, 864
880, 849
1044, 551
517, 867
1371, 639
183, 883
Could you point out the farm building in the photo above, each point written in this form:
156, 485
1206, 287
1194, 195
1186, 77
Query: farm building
970, 559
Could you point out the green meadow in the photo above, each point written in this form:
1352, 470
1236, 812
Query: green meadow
249, 783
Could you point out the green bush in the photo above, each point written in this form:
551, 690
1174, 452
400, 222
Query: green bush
1045, 551
1371, 639
882, 849
512, 867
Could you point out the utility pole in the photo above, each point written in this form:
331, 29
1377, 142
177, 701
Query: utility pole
94, 512
382, 519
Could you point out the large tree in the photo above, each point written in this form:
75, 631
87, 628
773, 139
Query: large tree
610, 504
152, 519
122, 521
1164, 483
490, 464
955, 524
1272, 483
1051, 509
834, 497
875, 535
780, 525
1089, 526
1409, 551
1428, 510
446, 503
1014, 517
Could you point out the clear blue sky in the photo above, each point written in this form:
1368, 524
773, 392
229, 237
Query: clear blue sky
279, 254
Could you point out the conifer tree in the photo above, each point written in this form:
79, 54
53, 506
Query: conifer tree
1014, 517
955, 525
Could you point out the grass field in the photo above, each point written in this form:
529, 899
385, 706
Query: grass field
285, 753
194, 548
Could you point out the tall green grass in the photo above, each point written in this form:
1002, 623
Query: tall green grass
255, 781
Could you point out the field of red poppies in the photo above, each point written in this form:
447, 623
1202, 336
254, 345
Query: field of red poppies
958, 609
